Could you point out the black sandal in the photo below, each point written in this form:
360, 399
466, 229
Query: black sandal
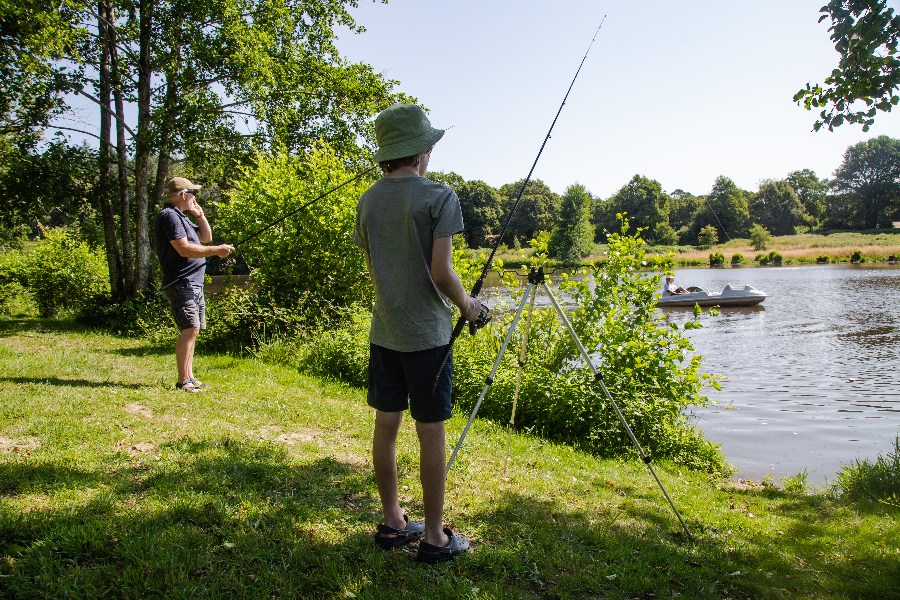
187, 386
437, 554
413, 531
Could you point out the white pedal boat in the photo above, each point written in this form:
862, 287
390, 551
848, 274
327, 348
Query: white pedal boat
730, 296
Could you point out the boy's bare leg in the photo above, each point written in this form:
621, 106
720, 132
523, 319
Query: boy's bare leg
384, 462
432, 473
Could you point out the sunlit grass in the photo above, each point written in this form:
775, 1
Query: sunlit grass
113, 484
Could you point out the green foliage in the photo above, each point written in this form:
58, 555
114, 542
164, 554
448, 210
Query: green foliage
775, 258
777, 208
737, 258
811, 192
682, 207
708, 237
573, 237
647, 207
15, 297
870, 174
341, 354
726, 208
645, 363
759, 237
822, 259
796, 484
307, 262
876, 480
762, 259
716, 259
63, 273
481, 208
857, 257
537, 211
865, 33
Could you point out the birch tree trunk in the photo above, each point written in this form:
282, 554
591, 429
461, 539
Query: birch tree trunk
125, 207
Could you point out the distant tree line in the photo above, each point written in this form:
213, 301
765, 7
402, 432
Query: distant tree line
864, 194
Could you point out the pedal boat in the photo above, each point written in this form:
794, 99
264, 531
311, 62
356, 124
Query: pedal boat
730, 296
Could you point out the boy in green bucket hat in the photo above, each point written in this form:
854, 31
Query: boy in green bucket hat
405, 224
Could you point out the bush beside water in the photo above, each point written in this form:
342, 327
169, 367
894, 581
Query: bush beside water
878, 480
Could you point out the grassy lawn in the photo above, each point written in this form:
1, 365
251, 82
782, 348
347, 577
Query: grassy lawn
114, 485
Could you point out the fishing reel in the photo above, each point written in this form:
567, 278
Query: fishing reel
483, 319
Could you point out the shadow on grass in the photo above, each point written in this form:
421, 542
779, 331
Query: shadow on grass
15, 326
225, 518
74, 382
157, 349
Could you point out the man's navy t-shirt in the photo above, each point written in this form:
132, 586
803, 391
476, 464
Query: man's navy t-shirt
172, 224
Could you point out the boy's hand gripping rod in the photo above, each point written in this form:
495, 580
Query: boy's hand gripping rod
271, 225
476, 289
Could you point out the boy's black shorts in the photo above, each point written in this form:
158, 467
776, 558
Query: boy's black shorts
401, 380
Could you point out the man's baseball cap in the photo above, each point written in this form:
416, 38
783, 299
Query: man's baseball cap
404, 130
180, 183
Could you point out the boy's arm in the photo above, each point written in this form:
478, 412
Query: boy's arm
446, 279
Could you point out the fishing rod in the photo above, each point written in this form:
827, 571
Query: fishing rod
271, 225
476, 289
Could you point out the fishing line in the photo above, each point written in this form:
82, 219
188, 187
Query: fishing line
476, 289
271, 225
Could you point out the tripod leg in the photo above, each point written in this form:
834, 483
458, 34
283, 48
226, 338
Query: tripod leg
599, 378
522, 352
490, 377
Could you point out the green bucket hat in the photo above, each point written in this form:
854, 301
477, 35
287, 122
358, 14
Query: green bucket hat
404, 130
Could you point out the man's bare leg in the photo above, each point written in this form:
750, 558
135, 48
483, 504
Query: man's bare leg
384, 462
432, 473
184, 353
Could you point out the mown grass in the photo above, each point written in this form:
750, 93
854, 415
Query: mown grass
114, 485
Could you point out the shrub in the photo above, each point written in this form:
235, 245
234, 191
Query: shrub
762, 259
646, 364
737, 259
822, 259
759, 237
775, 258
876, 480
857, 257
63, 273
15, 297
307, 262
708, 237
716, 259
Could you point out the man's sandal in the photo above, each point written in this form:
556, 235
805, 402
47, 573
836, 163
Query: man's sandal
198, 384
437, 554
388, 537
187, 386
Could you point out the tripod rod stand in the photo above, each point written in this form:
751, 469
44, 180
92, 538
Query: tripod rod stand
535, 278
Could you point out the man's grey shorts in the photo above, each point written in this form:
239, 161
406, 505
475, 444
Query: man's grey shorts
188, 304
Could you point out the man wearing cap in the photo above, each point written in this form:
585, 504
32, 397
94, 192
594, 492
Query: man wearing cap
182, 258
405, 224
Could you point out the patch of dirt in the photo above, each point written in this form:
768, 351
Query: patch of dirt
741, 484
136, 449
292, 438
137, 408
26, 444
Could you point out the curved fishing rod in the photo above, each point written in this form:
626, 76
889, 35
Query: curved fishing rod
271, 225
476, 289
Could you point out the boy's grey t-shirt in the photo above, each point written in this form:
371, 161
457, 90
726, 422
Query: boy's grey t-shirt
397, 221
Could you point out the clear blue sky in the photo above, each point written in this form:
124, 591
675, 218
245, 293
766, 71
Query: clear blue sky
680, 92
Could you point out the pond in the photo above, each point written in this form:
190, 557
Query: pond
812, 375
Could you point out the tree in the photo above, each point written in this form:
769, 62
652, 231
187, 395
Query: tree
865, 33
811, 192
451, 180
646, 205
573, 236
210, 82
777, 207
708, 237
481, 205
871, 172
682, 206
759, 237
726, 209
537, 209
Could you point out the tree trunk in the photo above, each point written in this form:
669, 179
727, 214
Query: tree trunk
162, 167
142, 151
125, 208
103, 197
